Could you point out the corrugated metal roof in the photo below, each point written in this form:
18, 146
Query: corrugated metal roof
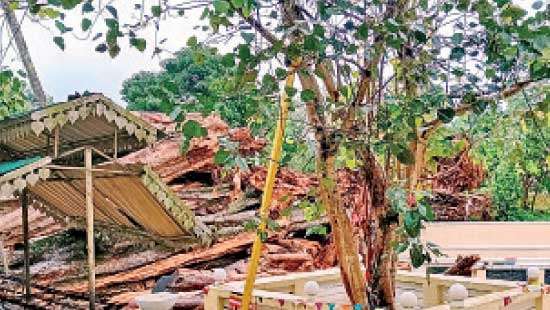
90, 120
125, 196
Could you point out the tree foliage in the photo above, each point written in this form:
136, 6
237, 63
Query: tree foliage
13, 98
513, 143
198, 79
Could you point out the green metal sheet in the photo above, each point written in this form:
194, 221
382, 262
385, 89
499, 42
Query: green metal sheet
9, 166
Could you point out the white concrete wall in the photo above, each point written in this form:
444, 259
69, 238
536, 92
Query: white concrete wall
491, 240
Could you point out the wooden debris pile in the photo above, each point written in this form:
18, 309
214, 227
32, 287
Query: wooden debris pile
223, 202
457, 174
452, 185
461, 206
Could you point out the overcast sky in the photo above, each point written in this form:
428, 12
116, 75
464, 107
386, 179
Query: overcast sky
80, 68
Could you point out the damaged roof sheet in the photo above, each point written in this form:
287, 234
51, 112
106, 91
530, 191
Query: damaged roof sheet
130, 196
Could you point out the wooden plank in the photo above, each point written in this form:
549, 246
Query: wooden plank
90, 226
4, 254
115, 144
56, 142
170, 264
26, 253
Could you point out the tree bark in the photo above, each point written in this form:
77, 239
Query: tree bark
24, 55
342, 231
380, 225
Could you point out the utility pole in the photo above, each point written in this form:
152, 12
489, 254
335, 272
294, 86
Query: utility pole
24, 55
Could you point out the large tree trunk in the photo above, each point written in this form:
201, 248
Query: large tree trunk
342, 230
342, 233
24, 55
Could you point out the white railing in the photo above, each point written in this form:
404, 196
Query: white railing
287, 293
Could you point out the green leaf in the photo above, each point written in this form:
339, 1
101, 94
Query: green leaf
269, 83
280, 73
412, 223
101, 48
49, 12
112, 10
405, 156
61, 26
426, 210
114, 50
424, 4
311, 43
247, 7
228, 60
457, 53
318, 30
247, 36
60, 42
185, 142
290, 91
363, 32
237, 3
192, 129
417, 255
307, 95
192, 41
70, 4
221, 6
156, 10
420, 36
87, 7
244, 53
139, 43
272, 225
112, 24
446, 114
513, 12
490, 73
479, 106
86, 24
319, 230
221, 157
457, 38
250, 225
537, 5
401, 247
398, 199
263, 235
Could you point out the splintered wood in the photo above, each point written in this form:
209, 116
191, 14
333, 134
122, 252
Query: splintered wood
463, 265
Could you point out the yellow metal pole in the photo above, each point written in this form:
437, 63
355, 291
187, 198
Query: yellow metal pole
268, 191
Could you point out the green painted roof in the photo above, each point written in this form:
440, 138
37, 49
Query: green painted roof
9, 166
